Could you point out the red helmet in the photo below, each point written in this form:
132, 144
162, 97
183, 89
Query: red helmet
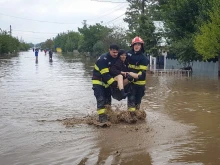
137, 40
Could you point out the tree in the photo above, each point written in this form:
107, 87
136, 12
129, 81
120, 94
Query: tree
8, 44
23, 46
207, 40
140, 23
98, 48
117, 36
182, 19
49, 44
92, 34
68, 41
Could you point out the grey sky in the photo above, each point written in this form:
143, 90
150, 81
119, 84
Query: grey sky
32, 19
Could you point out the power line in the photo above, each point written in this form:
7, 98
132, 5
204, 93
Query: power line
20, 36
109, 12
32, 34
111, 9
37, 32
114, 19
61, 22
34, 19
109, 1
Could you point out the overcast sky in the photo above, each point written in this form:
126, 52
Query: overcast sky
37, 20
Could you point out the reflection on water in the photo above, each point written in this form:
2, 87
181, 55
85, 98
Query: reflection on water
182, 124
194, 102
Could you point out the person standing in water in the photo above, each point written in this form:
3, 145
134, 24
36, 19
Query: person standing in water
50, 55
137, 63
102, 80
36, 54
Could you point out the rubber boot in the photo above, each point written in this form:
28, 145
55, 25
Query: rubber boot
103, 118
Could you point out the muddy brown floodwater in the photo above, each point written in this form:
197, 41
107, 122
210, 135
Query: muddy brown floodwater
38, 101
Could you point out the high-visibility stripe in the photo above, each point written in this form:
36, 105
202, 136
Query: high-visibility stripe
105, 70
142, 67
97, 82
101, 111
110, 81
140, 82
96, 67
138, 67
140, 73
131, 109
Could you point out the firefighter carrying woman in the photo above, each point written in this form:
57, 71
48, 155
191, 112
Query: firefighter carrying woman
107, 84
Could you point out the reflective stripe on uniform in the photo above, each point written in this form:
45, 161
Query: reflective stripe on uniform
110, 81
131, 109
105, 70
138, 67
140, 82
140, 73
97, 82
96, 67
101, 111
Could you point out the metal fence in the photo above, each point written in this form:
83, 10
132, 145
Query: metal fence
198, 68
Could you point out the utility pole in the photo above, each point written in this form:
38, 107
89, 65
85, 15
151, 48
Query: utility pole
142, 7
142, 12
10, 30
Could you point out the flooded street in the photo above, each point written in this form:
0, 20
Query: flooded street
182, 125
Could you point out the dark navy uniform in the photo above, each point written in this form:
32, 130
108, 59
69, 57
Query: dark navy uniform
101, 81
137, 63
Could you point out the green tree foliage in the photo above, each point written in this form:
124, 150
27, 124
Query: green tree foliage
140, 23
49, 44
133, 13
68, 41
91, 35
40, 45
8, 44
97, 38
31, 45
118, 36
182, 19
99, 48
24, 46
207, 41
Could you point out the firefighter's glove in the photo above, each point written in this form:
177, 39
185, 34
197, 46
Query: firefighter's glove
130, 78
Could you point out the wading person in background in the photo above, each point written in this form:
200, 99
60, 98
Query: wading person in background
102, 80
36, 54
50, 55
137, 63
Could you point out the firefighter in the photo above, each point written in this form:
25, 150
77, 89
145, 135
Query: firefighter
102, 81
137, 63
